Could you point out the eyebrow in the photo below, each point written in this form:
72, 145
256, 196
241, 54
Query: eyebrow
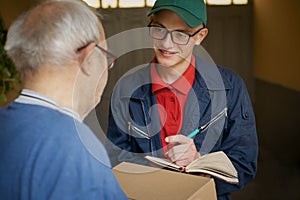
180, 30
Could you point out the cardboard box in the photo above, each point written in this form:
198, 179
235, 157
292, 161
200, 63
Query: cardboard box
147, 183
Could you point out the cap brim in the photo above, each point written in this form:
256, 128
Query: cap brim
190, 19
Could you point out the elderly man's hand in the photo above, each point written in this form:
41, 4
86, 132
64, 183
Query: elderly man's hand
183, 151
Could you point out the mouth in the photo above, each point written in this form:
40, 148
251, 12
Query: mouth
166, 53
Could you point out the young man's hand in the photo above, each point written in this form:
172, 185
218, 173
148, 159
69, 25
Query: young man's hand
183, 151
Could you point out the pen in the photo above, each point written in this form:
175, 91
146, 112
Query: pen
192, 134
208, 124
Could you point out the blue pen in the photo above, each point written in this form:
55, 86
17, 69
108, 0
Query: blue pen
192, 134
208, 124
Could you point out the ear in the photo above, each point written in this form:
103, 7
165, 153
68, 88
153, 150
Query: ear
150, 18
84, 52
201, 35
83, 55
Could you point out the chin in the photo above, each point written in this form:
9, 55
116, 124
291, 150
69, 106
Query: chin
166, 62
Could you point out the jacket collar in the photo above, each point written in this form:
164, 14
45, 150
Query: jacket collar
208, 77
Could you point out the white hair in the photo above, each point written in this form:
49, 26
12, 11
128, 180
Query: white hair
54, 38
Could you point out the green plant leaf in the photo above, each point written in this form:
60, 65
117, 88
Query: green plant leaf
3, 98
6, 73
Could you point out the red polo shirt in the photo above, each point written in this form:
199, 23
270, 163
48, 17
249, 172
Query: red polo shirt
171, 99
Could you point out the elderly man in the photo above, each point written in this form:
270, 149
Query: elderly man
46, 151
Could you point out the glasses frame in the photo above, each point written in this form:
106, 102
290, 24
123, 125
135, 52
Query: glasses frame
108, 54
170, 32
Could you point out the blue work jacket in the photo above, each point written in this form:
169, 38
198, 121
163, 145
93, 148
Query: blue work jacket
218, 103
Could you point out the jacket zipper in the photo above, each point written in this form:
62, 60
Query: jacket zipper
137, 130
148, 135
213, 120
202, 128
140, 132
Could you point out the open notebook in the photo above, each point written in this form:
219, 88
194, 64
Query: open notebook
216, 164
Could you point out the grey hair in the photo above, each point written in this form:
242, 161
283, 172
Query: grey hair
54, 38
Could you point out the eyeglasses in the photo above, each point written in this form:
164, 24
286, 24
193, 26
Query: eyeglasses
178, 37
111, 58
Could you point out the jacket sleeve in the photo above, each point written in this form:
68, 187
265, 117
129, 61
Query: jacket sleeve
239, 139
120, 145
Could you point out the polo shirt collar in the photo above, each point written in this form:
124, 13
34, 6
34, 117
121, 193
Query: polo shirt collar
183, 84
35, 98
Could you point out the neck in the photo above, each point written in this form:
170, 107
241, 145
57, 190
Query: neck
58, 86
172, 73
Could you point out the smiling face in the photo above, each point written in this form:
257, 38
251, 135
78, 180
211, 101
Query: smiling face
168, 53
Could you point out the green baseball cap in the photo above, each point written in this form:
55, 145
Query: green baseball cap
193, 12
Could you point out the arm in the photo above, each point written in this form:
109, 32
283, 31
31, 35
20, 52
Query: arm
239, 140
120, 145
123, 144
72, 165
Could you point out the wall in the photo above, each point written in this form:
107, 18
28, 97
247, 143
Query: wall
276, 38
277, 42
230, 40
10, 9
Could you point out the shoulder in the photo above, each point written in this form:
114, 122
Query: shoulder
131, 81
230, 75
218, 77
34, 118
50, 129
238, 95
57, 151
77, 139
234, 80
136, 75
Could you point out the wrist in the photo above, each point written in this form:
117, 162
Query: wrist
197, 155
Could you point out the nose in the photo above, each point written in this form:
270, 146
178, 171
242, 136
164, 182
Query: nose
167, 42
